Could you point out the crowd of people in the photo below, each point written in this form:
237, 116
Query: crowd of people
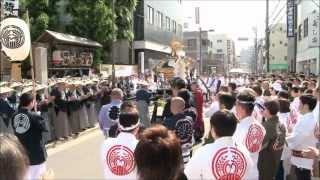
261, 128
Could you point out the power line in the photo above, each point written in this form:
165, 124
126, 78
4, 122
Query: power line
274, 10
275, 24
279, 12
315, 3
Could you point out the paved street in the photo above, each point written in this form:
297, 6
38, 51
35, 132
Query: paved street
77, 159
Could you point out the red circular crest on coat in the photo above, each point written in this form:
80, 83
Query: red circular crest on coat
120, 160
229, 163
254, 138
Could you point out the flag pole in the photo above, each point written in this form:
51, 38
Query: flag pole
32, 66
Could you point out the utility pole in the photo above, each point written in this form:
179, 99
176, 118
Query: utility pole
1, 18
200, 51
267, 36
255, 50
295, 37
112, 48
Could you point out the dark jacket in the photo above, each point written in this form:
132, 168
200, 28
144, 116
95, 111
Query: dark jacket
28, 127
6, 111
272, 146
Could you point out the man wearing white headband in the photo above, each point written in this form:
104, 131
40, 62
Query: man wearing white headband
117, 153
249, 131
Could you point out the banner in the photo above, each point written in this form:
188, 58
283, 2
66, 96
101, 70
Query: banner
121, 70
11, 8
72, 56
290, 18
314, 28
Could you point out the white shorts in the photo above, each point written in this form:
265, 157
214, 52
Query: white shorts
36, 171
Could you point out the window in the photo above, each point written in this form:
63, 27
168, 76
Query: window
273, 45
280, 42
305, 28
273, 57
204, 42
300, 32
219, 41
285, 44
174, 26
280, 29
168, 23
179, 28
150, 17
192, 43
219, 50
159, 19
285, 58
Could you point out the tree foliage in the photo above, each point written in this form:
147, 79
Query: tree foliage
94, 19
91, 19
124, 18
42, 15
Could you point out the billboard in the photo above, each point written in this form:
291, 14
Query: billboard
121, 70
11, 8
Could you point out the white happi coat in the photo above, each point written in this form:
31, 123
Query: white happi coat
117, 157
303, 136
250, 133
223, 159
214, 107
294, 105
257, 114
316, 112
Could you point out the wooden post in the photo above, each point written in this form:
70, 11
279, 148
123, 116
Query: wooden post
16, 71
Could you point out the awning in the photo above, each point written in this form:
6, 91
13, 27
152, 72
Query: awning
152, 46
49, 36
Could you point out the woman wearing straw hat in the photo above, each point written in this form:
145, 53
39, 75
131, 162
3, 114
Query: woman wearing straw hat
73, 107
90, 104
60, 123
83, 114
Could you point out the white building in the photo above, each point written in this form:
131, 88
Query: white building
278, 53
308, 44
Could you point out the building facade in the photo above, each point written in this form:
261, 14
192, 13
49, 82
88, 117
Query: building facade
217, 50
246, 59
278, 53
308, 44
156, 24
